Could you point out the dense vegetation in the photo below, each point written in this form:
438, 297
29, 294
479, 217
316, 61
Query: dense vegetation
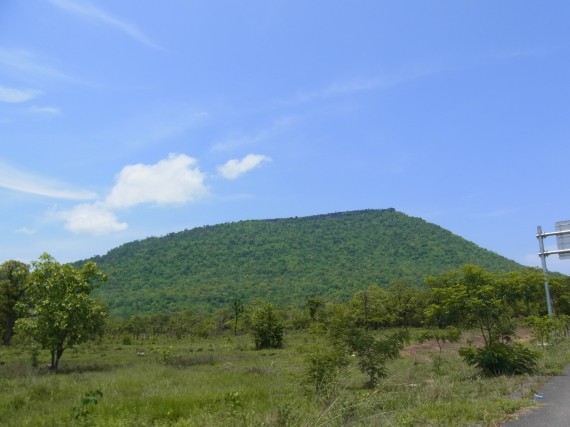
368, 347
361, 362
282, 260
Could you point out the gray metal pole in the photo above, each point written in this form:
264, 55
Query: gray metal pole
542, 255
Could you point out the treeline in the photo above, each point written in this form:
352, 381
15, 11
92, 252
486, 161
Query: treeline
52, 306
283, 260
518, 295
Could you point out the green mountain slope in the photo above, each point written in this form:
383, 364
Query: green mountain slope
282, 260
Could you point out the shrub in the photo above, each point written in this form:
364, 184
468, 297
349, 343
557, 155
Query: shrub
267, 328
324, 363
499, 358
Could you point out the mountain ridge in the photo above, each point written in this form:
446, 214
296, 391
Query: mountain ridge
285, 260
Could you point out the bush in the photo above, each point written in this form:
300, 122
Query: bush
267, 328
499, 358
324, 363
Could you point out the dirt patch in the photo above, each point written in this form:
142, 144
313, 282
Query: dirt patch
522, 335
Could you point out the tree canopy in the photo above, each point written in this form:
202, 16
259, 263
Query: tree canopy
13, 275
60, 311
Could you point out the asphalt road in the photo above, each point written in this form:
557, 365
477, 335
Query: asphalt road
555, 409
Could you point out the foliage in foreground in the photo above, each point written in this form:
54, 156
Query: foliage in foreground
501, 358
59, 311
223, 381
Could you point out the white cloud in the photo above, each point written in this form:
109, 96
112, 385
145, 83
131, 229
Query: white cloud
174, 180
29, 63
45, 110
90, 11
25, 230
91, 218
234, 168
14, 179
12, 95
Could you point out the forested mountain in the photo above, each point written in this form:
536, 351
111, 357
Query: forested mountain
282, 260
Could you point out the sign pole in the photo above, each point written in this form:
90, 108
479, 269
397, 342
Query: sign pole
542, 255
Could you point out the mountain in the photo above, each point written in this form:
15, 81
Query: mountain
282, 260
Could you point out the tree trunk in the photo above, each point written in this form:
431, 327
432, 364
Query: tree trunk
10, 322
56, 353
58, 356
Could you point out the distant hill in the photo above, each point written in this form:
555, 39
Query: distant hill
282, 260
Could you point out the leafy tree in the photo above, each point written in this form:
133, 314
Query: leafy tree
441, 337
61, 312
314, 304
405, 304
266, 327
523, 291
13, 275
371, 348
368, 307
470, 297
324, 364
546, 328
374, 351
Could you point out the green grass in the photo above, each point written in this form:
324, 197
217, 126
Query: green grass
224, 382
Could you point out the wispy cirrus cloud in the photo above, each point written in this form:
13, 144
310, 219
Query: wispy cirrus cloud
17, 180
234, 168
365, 84
54, 111
25, 62
91, 12
14, 96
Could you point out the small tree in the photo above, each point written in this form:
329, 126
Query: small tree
441, 337
266, 327
324, 364
60, 311
373, 352
471, 298
314, 304
13, 275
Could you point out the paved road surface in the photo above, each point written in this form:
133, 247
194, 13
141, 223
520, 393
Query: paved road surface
555, 409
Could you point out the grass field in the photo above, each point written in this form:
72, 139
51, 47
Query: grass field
223, 381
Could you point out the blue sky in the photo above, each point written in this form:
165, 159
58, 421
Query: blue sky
123, 120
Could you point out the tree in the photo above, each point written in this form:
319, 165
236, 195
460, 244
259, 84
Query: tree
13, 275
369, 307
374, 351
470, 297
60, 311
237, 307
405, 304
266, 327
441, 337
313, 304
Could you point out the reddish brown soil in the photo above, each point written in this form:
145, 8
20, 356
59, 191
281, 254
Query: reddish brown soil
523, 335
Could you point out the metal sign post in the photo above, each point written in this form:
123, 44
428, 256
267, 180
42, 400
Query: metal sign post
562, 233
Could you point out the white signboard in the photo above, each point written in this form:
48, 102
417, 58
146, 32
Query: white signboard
563, 241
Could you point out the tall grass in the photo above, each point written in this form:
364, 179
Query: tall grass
224, 382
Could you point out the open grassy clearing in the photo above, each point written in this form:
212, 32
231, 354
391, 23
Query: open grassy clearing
223, 381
